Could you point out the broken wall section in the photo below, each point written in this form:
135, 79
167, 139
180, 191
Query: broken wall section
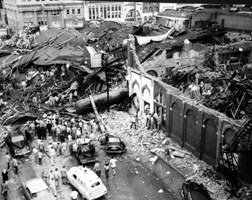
194, 126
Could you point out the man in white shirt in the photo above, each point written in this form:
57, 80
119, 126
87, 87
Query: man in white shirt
35, 153
57, 177
112, 164
52, 154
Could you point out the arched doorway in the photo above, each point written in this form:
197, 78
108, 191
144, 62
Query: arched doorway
146, 97
228, 136
209, 146
131, 15
152, 73
176, 128
136, 89
191, 136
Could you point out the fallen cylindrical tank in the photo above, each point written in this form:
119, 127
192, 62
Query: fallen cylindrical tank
115, 96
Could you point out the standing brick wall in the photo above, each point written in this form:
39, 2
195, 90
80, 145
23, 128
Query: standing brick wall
193, 126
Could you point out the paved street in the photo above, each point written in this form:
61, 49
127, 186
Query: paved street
133, 181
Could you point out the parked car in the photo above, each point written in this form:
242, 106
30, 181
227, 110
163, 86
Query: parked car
86, 152
113, 144
17, 143
87, 182
194, 191
36, 189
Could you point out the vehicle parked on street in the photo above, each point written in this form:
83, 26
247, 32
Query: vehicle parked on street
36, 189
194, 191
85, 152
17, 143
113, 144
87, 182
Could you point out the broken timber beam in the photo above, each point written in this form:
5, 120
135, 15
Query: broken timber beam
175, 149
100, 122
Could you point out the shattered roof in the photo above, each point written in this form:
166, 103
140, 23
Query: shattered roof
60, 36
174, 13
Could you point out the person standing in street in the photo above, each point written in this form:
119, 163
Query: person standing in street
40, 156
63, 175
106, 169
5, 176
112, 164
52, 155
15, 165
35, 153
4, 190
97, 169
53, 186
64, 149
133, 122
56, 176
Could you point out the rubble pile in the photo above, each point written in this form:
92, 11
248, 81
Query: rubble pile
143, 143
50, 74
238, 37
228, 92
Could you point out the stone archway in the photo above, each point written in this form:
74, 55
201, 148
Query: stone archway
176, 128
152, 73
209, 146
191, 137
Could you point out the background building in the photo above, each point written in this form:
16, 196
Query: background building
74, 13
53, 13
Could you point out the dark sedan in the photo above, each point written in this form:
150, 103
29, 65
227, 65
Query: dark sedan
194, 191
113, 144
17, 143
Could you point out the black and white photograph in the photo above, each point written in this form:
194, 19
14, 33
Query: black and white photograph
116, 100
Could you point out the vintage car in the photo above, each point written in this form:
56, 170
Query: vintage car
87, 182
17, 143
194, 191
113, 144
85, 153
36, 189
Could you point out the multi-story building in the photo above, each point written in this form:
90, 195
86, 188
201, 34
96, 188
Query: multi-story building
114, 11
53, 13
67, 13
74, 13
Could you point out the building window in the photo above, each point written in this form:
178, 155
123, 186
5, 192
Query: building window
67, 11
78, 11
105, 12
55, 12
90, 12
93, 12
73, 11
97, 12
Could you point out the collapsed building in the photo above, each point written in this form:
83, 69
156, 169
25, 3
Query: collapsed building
198, 79
202, 88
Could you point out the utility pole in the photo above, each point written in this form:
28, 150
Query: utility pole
105, 62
